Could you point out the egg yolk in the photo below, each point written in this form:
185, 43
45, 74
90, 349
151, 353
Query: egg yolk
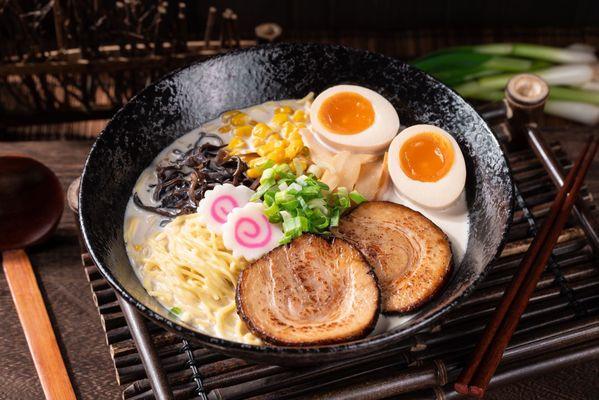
346, 113
426, 157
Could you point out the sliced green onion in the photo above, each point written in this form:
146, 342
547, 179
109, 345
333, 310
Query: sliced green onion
176, 310
295, 188
272, 213
357, 197
335, 217
311, 192
261, 190
284, 196
302, 204
290, 205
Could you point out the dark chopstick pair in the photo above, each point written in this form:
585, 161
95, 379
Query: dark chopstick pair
487, 355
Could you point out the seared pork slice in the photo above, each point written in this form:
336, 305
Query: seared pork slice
410, 254
311, 291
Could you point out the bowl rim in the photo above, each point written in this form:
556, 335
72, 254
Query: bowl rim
380, 340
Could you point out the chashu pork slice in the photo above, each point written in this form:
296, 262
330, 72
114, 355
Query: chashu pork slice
410, 254
311, 291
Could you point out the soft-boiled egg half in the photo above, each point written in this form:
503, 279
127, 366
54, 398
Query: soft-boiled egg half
354, 118
426, 165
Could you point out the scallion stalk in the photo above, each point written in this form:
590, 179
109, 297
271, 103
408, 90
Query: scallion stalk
468, 60
572, 74
583, 113
582, 47
593, 86
575, 74
574, 94
534, 51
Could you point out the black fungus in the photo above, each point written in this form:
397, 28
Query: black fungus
183, 182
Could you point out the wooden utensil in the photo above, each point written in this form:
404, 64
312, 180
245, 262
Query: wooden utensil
31, 204
475, 378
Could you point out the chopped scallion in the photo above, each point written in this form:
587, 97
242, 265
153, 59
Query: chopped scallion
302, 204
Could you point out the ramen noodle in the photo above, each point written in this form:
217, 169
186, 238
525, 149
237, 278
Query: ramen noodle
187, 267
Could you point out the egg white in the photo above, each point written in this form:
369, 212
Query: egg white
439, 194
374, 139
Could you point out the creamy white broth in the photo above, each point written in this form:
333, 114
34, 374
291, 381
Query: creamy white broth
140, 225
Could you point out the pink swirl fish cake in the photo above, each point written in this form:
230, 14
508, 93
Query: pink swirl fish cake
220, 201
249, 234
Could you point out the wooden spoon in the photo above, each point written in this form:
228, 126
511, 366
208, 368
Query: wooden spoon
31, 204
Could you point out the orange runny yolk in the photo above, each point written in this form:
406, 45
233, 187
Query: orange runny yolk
346, 113
426, 157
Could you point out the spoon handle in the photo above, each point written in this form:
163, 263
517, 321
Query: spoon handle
36, 325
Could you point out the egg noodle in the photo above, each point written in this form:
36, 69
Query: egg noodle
188, 269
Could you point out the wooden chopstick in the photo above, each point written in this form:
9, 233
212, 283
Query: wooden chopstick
463, 381
487, 354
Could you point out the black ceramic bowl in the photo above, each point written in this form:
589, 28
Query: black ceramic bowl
191, 96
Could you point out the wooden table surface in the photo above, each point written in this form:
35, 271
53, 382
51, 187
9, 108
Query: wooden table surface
77, 323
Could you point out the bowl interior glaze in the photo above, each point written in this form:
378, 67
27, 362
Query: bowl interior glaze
185, 99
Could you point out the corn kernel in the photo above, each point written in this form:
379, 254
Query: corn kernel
287, 129
224, 129
275, 137
226, 117
299, 116
261, 130
294, 136
236, 143
257, 142
279, 118
243, 131
261, 163
299, 165
265, 149
253, 173
300, 125
278, 155
253, 163
283, 110
239, 119
293, 149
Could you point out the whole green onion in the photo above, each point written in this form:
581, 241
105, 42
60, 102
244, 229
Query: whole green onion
574, 94
583, 113
575, 74
535, 51
475, 90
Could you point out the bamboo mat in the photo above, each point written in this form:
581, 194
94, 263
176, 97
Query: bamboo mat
560, 327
